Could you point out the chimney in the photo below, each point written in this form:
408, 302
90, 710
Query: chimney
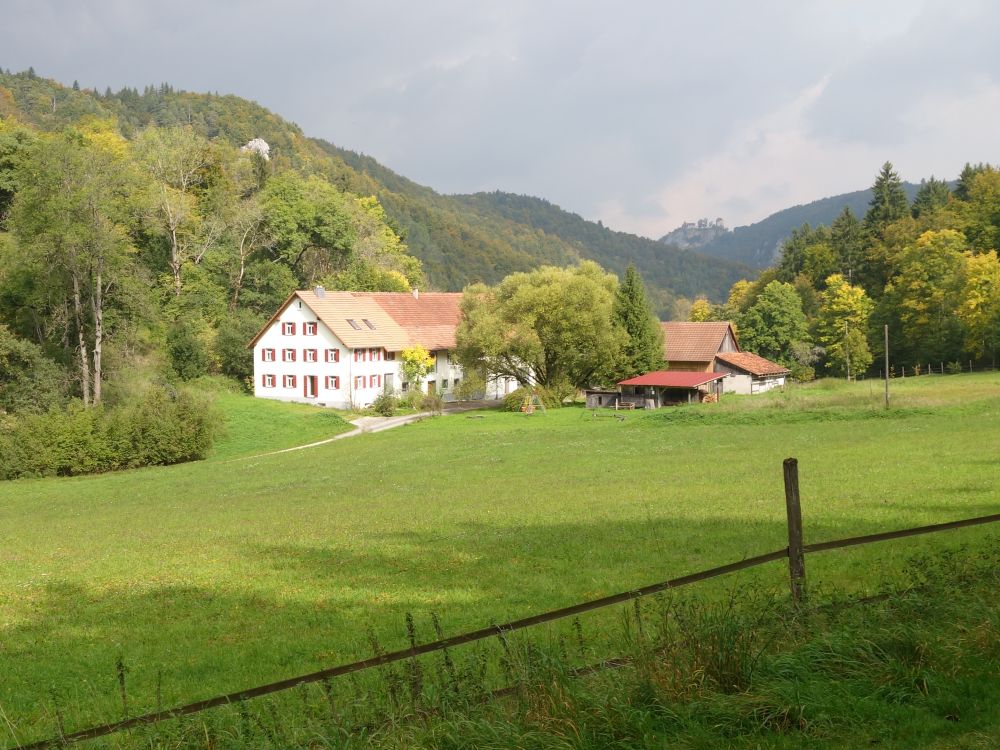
320, 292
416, 293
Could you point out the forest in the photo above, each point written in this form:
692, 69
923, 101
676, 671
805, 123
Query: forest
927, 269
146, 236
135, 257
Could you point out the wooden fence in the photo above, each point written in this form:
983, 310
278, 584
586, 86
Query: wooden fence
795, 552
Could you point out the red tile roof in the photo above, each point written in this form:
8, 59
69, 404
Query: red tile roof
672, 379
694, 342
429, 319
752, 363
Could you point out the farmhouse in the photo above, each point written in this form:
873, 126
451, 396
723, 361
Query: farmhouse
712, 347
342, 349
691, 347
748, 373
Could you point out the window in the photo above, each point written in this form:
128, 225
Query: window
444, 384
268, 381
287, 355
359, 382
390, 356
368, 323
332, 383
309, 329
333, 355
359, 355
375, 381
310, 355
375, 354
353, 324
288, 381
267, 355
287, 329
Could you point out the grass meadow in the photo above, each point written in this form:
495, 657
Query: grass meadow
215, 576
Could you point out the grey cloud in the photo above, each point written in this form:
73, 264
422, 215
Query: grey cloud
583, 103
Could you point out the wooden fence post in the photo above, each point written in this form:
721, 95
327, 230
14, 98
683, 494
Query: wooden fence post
796, 558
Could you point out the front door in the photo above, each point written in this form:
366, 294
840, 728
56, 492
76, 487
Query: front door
431, 387
309, 385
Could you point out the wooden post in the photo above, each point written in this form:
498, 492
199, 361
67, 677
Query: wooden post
796, 558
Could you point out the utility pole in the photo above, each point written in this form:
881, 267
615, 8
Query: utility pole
886, 329
847, 353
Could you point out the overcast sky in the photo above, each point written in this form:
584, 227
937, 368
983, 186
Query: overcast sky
642, 114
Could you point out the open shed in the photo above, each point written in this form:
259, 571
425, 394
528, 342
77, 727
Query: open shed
663, 387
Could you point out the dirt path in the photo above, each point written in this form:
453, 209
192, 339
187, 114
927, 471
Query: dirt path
364, 425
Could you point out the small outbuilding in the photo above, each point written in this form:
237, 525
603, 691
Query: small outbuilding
749, 373
598, 398
664, 387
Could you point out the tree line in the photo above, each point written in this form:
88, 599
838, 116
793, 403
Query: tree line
152, 260
928, 269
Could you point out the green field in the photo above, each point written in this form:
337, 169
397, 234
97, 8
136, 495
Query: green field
215, 576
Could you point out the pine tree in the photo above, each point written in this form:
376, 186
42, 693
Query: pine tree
969, 172
643, 350
889, 202
933, 194
848, 240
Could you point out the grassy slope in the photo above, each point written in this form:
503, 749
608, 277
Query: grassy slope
254, 426
220, 576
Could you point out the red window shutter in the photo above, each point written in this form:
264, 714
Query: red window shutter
336, 355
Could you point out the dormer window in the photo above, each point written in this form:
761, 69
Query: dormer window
353, 324
368, 323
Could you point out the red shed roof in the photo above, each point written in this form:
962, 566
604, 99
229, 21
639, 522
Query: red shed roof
671, 379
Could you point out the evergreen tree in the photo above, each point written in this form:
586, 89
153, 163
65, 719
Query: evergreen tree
933, 194
848, 240
888, 202
643, 350
969, 172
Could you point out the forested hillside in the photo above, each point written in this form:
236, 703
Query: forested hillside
457, 239
925, 267
758, 245
463, 238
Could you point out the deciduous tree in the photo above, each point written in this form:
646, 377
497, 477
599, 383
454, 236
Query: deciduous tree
842, 326
549, 326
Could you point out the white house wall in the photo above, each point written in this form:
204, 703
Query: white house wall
359, 381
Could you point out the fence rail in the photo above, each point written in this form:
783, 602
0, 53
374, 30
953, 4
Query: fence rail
794, 552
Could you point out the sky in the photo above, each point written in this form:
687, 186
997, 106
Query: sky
643, 114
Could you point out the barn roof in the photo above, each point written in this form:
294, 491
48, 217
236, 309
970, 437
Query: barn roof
694, 342
672, 379
752, 363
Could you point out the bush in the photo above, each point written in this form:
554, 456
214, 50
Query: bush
161, 427
954, 368
385, 405
432, 402
472, 387
552, 399
189, 355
